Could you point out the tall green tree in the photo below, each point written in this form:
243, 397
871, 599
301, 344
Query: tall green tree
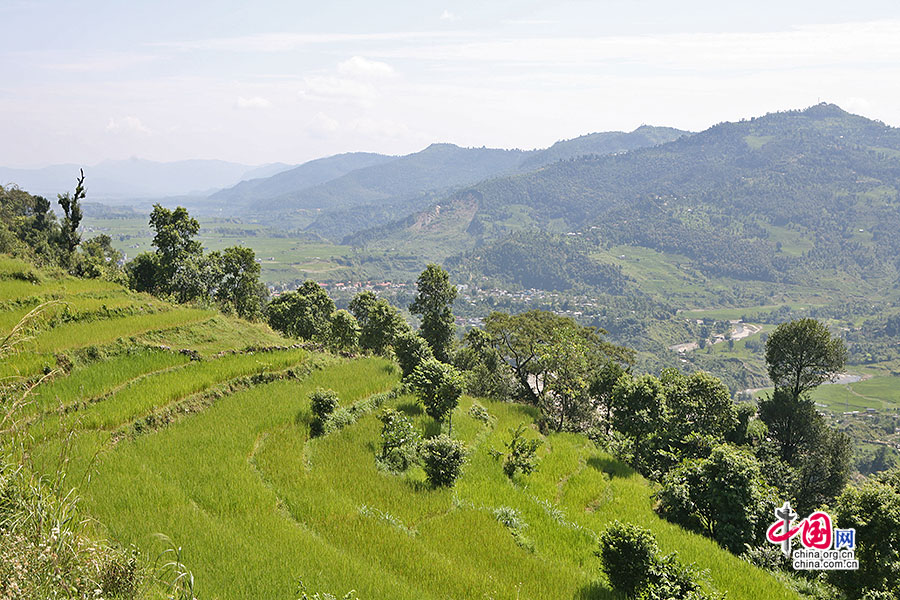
639, 412
380, 325
434, 301
802, 354
524, 342
601, 389
305, 314
239, 284
177, 250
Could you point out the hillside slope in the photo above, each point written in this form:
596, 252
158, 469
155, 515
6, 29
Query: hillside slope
211, 447
775, 198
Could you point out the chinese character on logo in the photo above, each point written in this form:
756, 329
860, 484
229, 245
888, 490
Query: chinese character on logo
816, 531
844, 538
780, 531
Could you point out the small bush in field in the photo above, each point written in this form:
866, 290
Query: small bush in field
399, 440
520, 453
442, 459
322, 403
633, 565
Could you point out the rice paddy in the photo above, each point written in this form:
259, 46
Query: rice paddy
258, 506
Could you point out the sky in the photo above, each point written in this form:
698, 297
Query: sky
82, 82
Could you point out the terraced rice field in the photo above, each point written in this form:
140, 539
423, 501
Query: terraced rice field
212, 448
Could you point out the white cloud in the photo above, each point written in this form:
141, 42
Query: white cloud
339, 89
321, 125
127, 125
254, 102
359, 66
448, 16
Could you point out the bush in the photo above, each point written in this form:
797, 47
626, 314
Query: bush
633, 565
520, 453
723, 496
438, 386
322, 403
627, 554
442, 459
399, 440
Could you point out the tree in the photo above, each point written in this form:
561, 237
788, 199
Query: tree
344, 330
523, 342
698, 403
825, 469
569, 361
873, 510
239, 284
723, 496
438, 386
443, 459
381, 325
639, 411
361, 305
399, 439
98, 258
176, 248
791, 422
601, 390
70, 238
802, 354
520, 452
411, 350
143, 272
305, 313
434, 302
487, 375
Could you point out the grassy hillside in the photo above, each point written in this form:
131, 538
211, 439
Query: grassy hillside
211, 447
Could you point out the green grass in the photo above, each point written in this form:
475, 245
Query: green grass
163, 388
94, 380
880, 392
257, 505
73, 335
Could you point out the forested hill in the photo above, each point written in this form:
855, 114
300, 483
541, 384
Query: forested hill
773, 198
337, 196
305, 176
437, 167
607, 142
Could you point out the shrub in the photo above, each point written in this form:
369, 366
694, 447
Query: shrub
399, 440
438, 386
627, 553
322, 403
633, 565
442, 459
520, 453
723, 496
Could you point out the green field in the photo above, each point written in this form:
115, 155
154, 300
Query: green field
879, 392
215, 453
282, 258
